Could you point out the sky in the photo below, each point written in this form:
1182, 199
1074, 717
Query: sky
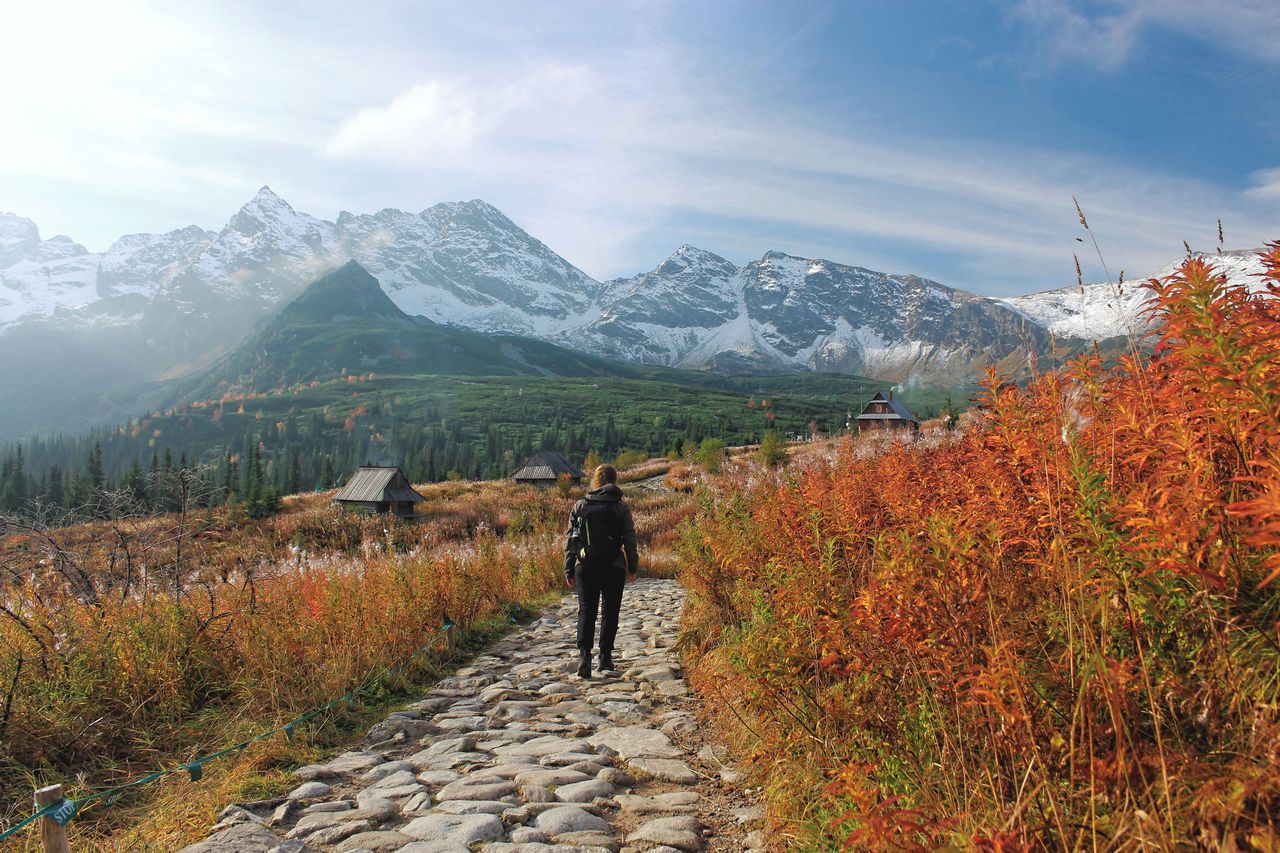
944, 139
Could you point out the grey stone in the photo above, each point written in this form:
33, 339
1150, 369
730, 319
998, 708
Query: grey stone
419, 802
291, 846
245, 837
394, 780
567, 759
564, 819
635, 742
546, 745
400, 728
460, 829
334, 834
529, 835
312, 772
310, 791
536, 794
472, 806
308, 824
382, 771
547, 777
371, 807
330, 806
282, 812
464, 789
614, 776
583, 792
379, 841
665, 770
673, 802
578, 841
355, 761
440, 846
438, 778
683, 833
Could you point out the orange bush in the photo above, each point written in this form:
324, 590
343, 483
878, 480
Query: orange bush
1057, 629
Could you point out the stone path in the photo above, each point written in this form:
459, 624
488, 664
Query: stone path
516, 753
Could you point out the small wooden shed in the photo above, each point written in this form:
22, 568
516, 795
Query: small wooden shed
545, 467
377, 489
884, 413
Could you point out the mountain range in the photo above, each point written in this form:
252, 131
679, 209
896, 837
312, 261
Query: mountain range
85, 335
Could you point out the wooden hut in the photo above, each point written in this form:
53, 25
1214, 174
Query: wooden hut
884, 413
377, 489
545, 467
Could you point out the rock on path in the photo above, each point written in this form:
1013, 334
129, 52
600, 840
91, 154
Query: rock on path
514, 752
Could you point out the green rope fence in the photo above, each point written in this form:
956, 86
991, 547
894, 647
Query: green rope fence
64, 810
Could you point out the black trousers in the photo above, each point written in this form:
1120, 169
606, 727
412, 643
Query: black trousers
591, 587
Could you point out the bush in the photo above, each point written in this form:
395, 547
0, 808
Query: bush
1056, 630
710, 454
773, 450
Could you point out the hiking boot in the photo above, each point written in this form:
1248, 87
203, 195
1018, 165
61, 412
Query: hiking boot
606, 662
584, 666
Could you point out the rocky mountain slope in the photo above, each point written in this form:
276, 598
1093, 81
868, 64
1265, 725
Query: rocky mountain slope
1107, 310
76, 324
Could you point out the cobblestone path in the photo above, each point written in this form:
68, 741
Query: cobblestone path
514, 752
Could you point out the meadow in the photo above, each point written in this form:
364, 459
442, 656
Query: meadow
133, 644
1057, 627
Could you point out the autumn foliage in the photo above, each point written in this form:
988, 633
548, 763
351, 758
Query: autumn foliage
1058, 628
125, 647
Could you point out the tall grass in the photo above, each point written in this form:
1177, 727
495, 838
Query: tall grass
105, 673
1059, 628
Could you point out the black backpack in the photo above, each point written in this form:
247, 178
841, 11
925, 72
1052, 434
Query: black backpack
599, 534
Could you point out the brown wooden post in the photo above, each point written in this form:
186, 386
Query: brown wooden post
451, 637
53, 838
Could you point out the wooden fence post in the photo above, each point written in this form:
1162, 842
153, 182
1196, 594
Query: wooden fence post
451, 637
53, 838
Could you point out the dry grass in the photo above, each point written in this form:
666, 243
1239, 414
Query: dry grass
105, 675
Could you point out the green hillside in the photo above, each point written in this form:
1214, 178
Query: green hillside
342, 377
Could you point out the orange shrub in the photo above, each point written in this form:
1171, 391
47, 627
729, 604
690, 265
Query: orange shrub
1056, 629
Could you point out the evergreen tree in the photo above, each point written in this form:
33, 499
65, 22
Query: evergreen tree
135, 484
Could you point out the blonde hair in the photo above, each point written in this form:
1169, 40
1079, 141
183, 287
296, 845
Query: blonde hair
603, 475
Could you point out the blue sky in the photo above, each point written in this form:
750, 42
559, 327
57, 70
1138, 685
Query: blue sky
944, 139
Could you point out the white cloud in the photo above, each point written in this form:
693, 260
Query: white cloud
450, 117
1265, 184
607, 156
1106, 39
427, 118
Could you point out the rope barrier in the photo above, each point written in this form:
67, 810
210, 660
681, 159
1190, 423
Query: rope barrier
67, 808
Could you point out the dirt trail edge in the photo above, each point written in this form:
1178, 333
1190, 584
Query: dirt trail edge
516, 753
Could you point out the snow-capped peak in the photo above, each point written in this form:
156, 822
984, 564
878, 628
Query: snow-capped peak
264, 207
692, 258
16, 229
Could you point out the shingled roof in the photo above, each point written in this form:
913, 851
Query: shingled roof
546, 465
372, 484
898, 411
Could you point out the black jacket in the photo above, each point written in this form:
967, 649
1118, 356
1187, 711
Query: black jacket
627, 558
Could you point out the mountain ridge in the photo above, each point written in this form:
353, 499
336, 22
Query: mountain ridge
157, 306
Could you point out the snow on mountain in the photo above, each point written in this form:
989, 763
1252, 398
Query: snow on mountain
143, 264
39, 277
264, 254
467, 264
1106, 310
193, 294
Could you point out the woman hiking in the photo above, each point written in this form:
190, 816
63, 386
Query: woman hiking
599, 560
